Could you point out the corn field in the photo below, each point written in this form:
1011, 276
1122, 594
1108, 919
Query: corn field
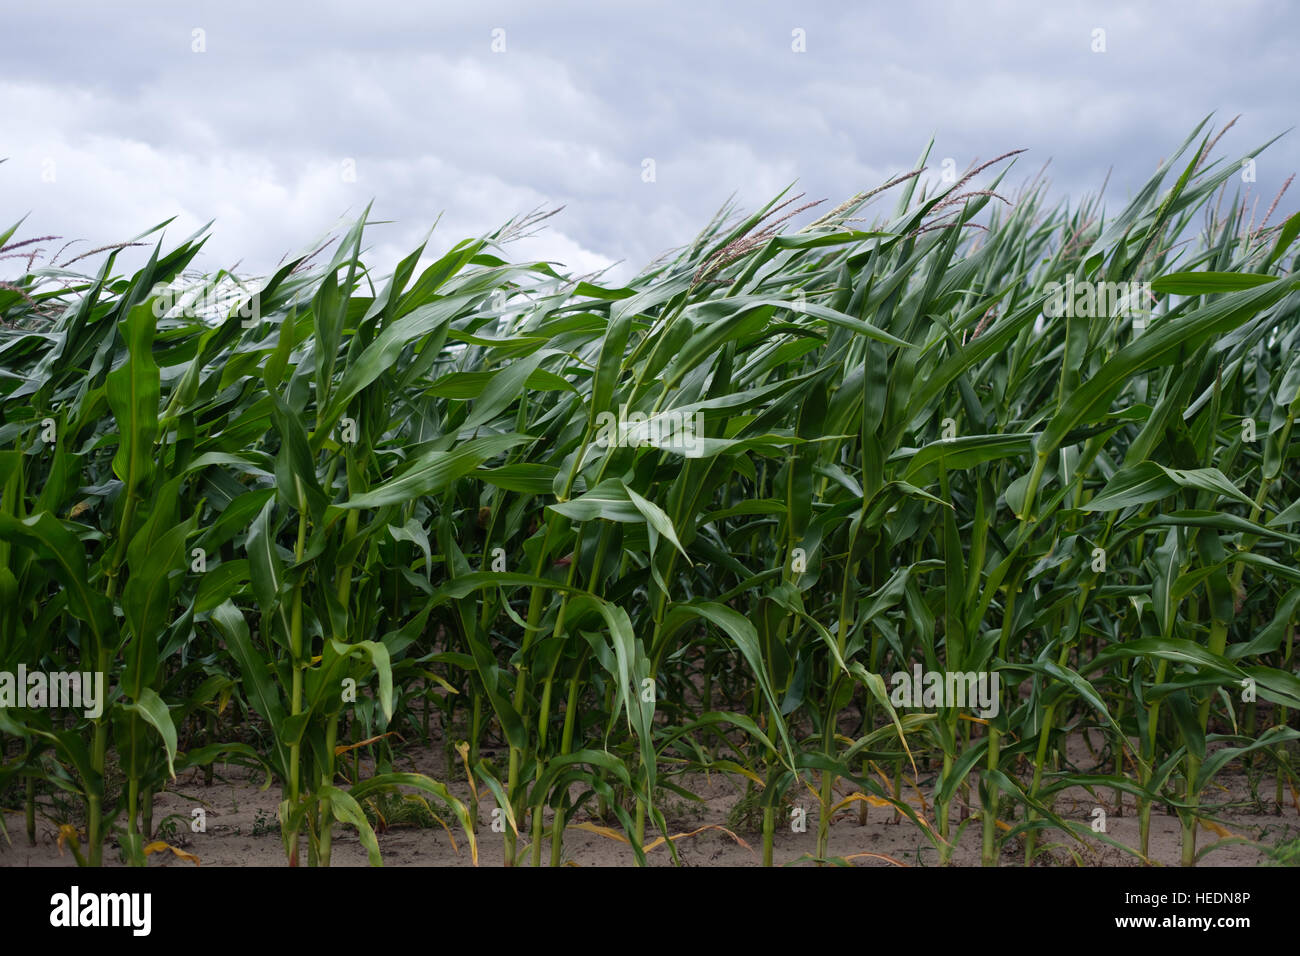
747, 515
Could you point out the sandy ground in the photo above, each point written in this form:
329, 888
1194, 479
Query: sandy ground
241, 829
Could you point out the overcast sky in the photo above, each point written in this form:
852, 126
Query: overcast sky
279, 119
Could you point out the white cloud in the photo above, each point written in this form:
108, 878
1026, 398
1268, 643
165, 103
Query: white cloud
254, 132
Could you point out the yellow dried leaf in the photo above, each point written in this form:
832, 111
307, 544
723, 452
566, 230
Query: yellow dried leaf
158, 846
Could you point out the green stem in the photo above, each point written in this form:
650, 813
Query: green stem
327, 780
296, 664
566, 746
1040, 757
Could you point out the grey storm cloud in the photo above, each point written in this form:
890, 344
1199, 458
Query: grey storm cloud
115, 122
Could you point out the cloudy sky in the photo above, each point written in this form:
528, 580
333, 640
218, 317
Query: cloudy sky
278, 120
